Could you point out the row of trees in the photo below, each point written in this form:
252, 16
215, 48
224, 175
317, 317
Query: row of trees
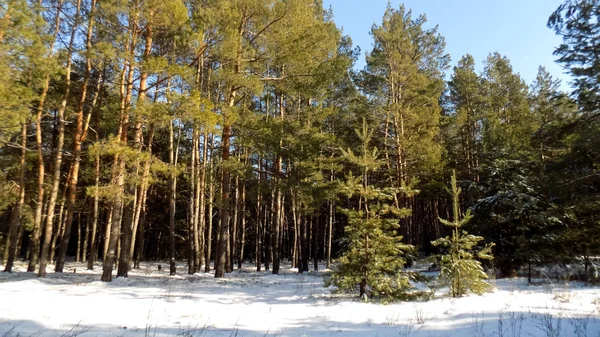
228, 131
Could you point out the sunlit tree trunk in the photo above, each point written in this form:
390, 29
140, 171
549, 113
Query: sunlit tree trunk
59, 148
119, 169
191, 203
78, 138
209, 218
125, 255
173, 156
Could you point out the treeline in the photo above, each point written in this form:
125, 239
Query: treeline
231, 131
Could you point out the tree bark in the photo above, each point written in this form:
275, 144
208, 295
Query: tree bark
199, 205
78, 251
172, 197
94, 229
142, 194
86, 237
224, 224
107, 231
119, 169
39, 215
78, 139
234, 227
37, 222
258, 231
130, 189
59, 149
15, 221
192, 210
201, 199
276, 221
209, 218
242, 228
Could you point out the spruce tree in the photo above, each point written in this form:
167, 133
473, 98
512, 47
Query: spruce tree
374, 258
461, 271
575, 170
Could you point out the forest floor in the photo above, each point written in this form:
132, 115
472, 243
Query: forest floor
249, 303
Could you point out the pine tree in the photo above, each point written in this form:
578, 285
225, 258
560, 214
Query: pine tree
373, 259
467, 103
508, 122
460, 269
577, 21
404, 75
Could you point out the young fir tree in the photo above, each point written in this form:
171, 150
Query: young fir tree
460, 269
374, 256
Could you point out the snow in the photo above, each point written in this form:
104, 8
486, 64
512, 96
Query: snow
249, 303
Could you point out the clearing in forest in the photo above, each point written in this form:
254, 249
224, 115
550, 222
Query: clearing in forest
250, 303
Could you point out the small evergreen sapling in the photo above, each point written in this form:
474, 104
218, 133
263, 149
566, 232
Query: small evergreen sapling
375, 255
459, 268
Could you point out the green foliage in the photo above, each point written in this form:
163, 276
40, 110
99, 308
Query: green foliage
463, 132
22, 50
8, 192
507, 121
572, 141
460, 269
404, 78
373, 259
577, 21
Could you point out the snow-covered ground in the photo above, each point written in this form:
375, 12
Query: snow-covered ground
247, 303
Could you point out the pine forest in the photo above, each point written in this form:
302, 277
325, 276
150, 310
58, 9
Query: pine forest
218, 138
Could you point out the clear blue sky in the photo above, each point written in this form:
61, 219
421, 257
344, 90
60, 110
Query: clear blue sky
514, 28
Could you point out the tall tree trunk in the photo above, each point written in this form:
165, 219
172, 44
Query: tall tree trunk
107, 231
242, 227
315, 241
224, 223
199, 212
258, 232
192, 198
330, 227
39, 215
225, 170
119, 169
296, 231
277, 216
37, 222
269, 231
78, 139
15, 219
143, 194
304, 253
86, 237
59, 148
93, 239
234, 228
78, 251
130, 189
60, 226
172, 197
211, 194
141, 237
201, 200
117, 213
